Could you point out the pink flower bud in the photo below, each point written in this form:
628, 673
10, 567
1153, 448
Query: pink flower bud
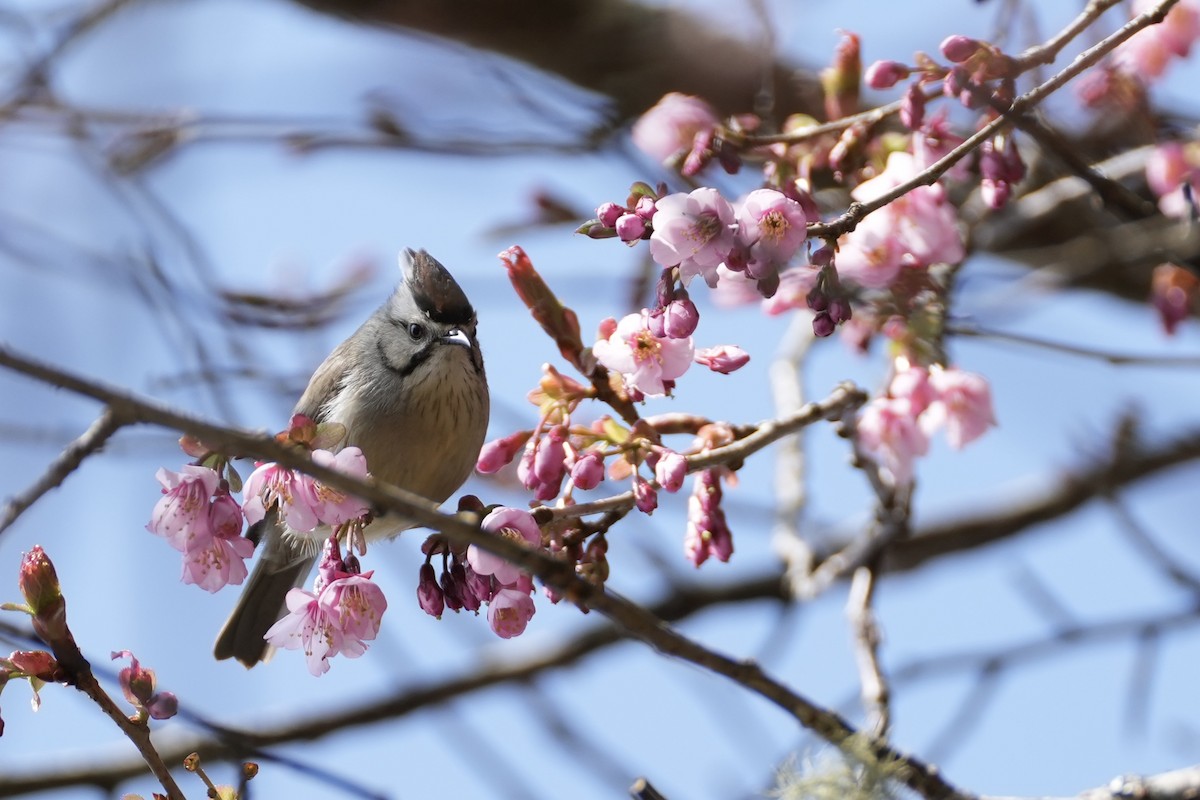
912, 107
500, 452
587, 471
38, 582
670, 471
724, 359
608, 214
885, 74
679, 318
482, 587
823, 324
839, 311
630, 227
163, 705
35, 664
429, 594
959, 48
644, 495
645, 208
470, 600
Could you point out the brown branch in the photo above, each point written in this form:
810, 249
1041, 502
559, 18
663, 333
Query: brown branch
233, 744
1057, 498
914, 773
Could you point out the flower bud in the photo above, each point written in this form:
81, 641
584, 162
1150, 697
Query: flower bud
38, 582
587, 471
670, 470
630, 228
958, 48
823, 324
470, 600
608, 213
839, 311
724, 359
912, 108
500, 452
429, 594
644, 496
163, 705
885, 74
680, 318
645, 208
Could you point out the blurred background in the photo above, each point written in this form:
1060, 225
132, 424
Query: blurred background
199, 200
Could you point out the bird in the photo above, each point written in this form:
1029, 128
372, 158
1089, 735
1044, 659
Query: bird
410, 389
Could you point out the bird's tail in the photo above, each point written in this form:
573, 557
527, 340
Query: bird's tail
279, 569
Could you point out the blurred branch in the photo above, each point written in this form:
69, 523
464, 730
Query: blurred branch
630, 52
92, 440
1058, 497
1180, 784
867, 639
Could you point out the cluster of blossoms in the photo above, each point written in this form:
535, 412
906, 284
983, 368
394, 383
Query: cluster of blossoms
198, 515
696, 233
476, 577
338, 617
894, 429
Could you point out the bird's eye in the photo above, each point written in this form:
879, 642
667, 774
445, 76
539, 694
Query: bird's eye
416, 331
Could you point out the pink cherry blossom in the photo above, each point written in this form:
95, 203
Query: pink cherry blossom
962, 404
307, 627
644, 360
911, 383
293, 491
1169, 167
915, 231
217, 562
725, 358
672, 124
694, 232
1147, 53
339, 617
355, 605
888, 432
182, 514
771, 227
509, 612
513, 524
331, 506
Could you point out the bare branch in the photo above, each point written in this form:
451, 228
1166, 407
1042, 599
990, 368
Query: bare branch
92, 440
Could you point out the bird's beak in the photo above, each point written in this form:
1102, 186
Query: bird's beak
456, 336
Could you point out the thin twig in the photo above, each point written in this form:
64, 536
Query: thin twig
867, 638
92, 440
841, 402
787, 389
1107, 356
